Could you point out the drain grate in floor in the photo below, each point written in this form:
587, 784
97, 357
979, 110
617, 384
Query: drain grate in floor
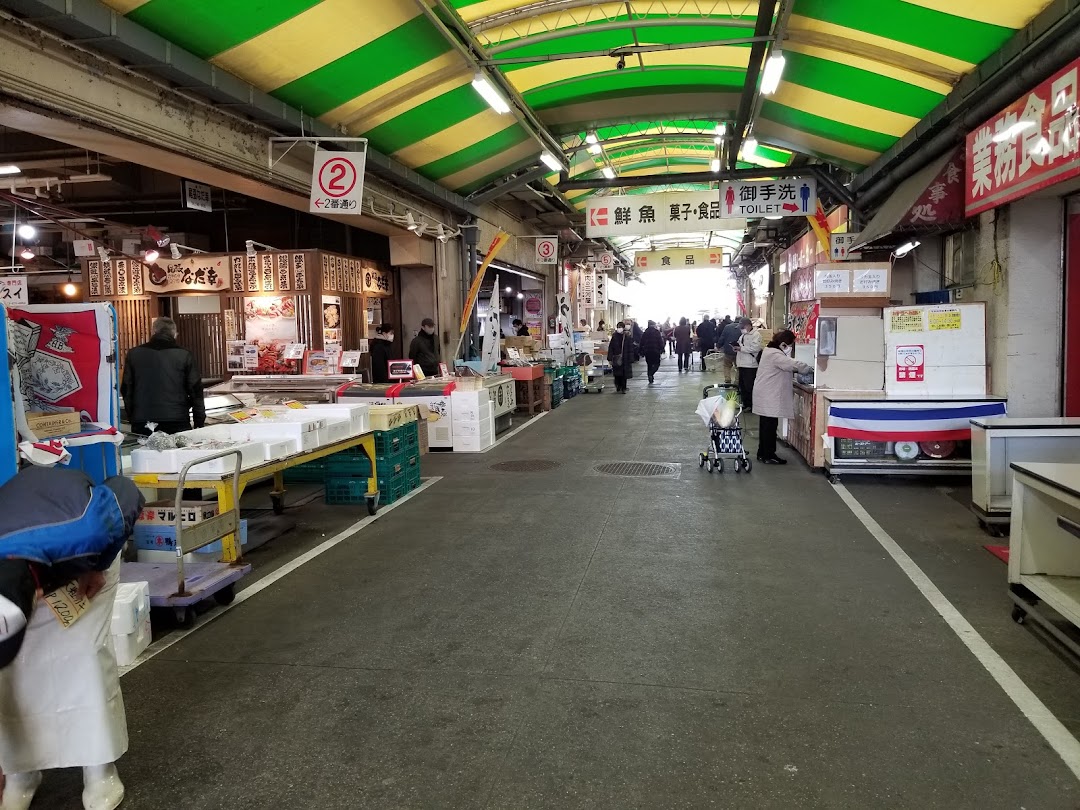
525, 465
637, 469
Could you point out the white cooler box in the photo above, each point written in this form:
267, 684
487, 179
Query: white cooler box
471, 406
335, 431
171, 461
301, 436
130, 628
358, 415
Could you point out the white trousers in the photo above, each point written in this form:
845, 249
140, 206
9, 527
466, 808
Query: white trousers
60, 701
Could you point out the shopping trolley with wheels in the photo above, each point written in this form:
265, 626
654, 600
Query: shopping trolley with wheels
724, 442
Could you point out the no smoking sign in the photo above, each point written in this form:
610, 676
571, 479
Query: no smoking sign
337, 182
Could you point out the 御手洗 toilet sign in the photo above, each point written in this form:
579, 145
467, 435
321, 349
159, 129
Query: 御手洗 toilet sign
337, 182
547, 250
841, 246
910, 363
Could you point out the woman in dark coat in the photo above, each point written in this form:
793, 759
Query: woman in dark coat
683, 344
381, 348
620, 354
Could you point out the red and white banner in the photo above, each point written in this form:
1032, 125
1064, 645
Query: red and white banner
1031, 144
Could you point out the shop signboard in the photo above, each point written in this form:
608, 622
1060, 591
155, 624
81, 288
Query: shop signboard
534, 313
607, 261
547, 250
678, 259
13, 291
600, 290
190, 274
722, 209
942, 201
337, 182
400, 370
377, 282
1031, 144
197, 196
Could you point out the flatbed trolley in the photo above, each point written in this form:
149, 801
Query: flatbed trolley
180, 588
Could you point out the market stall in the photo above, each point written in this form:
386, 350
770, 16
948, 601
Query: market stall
265, 312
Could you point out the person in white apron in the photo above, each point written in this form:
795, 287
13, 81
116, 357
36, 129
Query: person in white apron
60, 701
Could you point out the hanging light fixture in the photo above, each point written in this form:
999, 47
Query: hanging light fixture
749, 146
26, 254
774, 69
552, 162
410, 221
69, 289
715, 165
151, 255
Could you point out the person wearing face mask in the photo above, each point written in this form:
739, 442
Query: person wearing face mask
748, 347
424, 350
728, 341
620, 354
774, 394
381, 351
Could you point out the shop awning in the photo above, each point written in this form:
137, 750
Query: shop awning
929, 200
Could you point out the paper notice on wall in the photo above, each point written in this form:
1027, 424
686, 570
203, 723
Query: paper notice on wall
942, 318
906, 320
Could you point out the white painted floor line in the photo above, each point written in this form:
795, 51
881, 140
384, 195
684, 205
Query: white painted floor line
1052, 730
264, 583
517, 430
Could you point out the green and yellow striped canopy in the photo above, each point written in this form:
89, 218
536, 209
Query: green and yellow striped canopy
859, 74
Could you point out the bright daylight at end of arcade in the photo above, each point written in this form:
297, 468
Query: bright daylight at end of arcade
540, 404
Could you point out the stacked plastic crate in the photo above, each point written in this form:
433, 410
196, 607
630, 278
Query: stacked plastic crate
397, 468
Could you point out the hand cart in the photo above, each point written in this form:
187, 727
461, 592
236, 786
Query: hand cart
182, 589
724, 442
228, 495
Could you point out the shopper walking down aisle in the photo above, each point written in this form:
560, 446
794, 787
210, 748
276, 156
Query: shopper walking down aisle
620, 354
424, 350
162, 384
774, 392
728, 342
684, 342
652, 346
747, 360
381, 349
706, 334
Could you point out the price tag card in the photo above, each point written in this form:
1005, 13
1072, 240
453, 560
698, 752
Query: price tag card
296, 406
68, 603
295, 351
240, 416
350, 359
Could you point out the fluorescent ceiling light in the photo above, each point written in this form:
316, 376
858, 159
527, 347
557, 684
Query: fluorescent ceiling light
595, 149
27, 231
484, 87
715, 165
721, 129
10, 168
904, 250
749, 146
552, 162
591, 138
774, 69
609, 173
773, 217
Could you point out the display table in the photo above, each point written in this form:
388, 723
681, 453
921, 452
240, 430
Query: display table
997, 442
1044, 546
928, 436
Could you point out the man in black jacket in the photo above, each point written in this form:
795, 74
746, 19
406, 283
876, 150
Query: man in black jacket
706, 334
424, 350
162, 384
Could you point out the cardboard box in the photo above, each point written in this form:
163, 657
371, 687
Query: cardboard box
389, 417
162, 537
48, 425
165, 512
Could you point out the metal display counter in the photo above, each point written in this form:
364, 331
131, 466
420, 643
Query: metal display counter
998, 442
270, 389
903, 437
1044, 545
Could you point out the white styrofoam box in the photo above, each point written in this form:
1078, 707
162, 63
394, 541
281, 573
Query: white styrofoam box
335, 431
473, 444
358, 413
302, 435
480, 427
473, 410
466, 397
276, 450
129, 646
131, 605
144, 460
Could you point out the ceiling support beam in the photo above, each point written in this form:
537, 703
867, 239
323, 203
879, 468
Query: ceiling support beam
626, 50
510, 184
458, 35
527, 12
619, 25
762, 28
684, 178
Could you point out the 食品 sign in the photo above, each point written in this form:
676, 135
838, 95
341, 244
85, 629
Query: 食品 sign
678, 259
687, 211
1031, 144
192, 273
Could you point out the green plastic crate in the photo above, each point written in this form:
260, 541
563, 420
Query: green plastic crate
349, 465
412, 477
411, 436
346, 491
388, 442
309, 472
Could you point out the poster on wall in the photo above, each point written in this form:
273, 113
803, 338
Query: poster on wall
234, 356
534, 314
271, 326
331, 309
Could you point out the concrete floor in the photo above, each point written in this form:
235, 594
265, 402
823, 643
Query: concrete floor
566, 640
